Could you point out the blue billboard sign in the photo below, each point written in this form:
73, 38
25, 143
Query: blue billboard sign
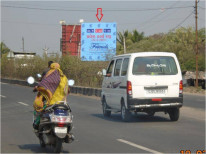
98, 41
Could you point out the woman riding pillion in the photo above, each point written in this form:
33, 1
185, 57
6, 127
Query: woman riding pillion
51, 89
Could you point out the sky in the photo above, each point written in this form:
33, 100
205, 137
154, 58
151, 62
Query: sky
38, 21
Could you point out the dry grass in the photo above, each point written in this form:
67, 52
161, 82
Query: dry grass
190, 89
84, 73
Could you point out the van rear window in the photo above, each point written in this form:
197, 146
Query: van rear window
157, 65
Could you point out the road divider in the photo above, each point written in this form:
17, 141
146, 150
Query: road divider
139, 146
86, 91
74, 89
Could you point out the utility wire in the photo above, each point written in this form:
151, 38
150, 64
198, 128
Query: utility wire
31, 23
201, 7
89, 10
159, 14
182, 21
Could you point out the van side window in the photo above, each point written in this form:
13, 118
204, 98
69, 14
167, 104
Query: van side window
125, 67
109, 71
117, 67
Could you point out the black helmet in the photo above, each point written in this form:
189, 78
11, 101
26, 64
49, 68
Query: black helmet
49, 63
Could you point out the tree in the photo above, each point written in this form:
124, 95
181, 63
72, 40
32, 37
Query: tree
122, 39
4, 48
127, 38
136, 36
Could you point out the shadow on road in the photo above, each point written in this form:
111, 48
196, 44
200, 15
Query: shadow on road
134, 118
35, 148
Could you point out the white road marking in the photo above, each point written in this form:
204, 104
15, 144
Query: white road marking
138, 146
23, 103
2, 96
3, 83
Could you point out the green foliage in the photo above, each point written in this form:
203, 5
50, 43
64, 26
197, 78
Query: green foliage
136, 36
130, 39
4, 48
84, 73
181, 42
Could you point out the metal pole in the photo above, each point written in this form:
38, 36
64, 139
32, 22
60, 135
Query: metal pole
124, 45
196, 83
1, 47
23, 43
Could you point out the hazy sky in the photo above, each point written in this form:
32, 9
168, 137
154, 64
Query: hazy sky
38, 21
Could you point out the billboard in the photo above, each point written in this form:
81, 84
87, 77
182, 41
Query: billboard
98, 41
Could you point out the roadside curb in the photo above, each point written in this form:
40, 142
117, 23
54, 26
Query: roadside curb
88, 91
73, 89
19, 82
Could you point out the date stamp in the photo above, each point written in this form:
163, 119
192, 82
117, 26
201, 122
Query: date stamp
189, 152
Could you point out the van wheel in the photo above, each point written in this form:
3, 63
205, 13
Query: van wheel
106, 113
174, 114
125, 114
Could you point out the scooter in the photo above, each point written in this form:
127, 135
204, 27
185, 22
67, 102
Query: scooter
55, 124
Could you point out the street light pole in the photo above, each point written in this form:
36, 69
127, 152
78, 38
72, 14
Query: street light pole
196, 83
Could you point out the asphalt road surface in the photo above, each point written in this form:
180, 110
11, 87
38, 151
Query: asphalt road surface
96, 134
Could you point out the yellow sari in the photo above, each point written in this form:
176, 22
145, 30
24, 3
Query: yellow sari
53, 87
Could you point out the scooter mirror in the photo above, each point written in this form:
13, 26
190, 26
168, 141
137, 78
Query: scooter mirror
30, 80
71, 82
104, 72
39, 75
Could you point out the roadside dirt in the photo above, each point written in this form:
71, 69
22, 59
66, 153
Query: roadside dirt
194, 90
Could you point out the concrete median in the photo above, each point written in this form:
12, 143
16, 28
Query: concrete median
88, 91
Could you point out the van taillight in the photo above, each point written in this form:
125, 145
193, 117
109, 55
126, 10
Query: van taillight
129, 88
181, 87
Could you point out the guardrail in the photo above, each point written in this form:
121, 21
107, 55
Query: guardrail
74, 89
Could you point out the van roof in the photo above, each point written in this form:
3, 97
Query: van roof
150, 53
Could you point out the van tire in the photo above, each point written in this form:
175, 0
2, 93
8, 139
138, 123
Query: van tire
106, 113
125, 114
174, 114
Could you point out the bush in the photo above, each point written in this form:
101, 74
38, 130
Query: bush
84, 73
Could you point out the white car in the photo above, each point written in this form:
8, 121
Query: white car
143, 82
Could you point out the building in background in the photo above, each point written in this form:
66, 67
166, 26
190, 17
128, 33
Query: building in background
71, 40
20, 55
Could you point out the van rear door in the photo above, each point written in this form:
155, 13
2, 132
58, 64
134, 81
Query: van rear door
155, 77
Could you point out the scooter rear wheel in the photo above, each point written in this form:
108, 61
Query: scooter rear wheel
58, 145
42, 144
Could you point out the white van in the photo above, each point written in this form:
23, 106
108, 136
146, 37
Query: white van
143, 82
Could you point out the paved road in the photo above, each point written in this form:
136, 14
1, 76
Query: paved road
96, 134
